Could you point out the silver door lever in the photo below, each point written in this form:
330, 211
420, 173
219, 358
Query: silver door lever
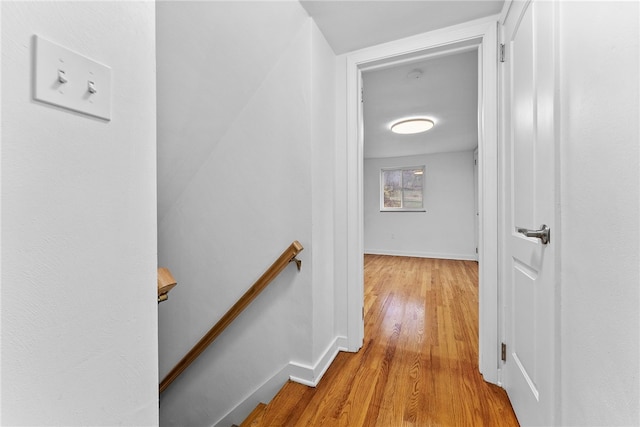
544, 234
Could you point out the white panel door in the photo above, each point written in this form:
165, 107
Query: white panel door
528, 78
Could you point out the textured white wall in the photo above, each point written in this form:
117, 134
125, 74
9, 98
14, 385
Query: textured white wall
599, 152
246, 153
79, 311
445, 230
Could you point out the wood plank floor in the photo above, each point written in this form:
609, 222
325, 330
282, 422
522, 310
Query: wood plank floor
419, 362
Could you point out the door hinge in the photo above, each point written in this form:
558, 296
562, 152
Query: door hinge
503, 355
362, 95
501, 52
476, 250
363, 313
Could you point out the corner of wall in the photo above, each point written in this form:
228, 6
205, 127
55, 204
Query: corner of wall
311, 375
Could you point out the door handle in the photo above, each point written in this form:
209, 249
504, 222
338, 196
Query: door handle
544, 234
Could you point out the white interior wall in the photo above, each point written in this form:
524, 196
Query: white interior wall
341, 212
79, 311
599, 335
247, 156
322, 79
445, 230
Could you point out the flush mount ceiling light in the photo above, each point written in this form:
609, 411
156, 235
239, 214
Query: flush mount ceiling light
410, 126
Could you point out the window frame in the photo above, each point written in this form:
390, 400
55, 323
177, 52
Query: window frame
383, 208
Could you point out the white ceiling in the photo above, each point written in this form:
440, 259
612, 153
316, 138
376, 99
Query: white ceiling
446, 92
354, 24
448, 89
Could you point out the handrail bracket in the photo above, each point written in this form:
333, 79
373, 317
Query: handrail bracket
298, 262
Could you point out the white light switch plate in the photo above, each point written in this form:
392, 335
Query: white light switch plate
55, 64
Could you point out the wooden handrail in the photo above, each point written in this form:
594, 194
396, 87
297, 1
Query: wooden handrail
166, 282
287, 256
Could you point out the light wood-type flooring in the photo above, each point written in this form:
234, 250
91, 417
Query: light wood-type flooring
419, 363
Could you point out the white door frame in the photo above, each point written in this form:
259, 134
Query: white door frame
483, 33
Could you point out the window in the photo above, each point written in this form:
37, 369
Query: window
401, 189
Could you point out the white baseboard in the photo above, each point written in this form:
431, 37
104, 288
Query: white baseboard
437, 255
263, 394
311, 375
297, 372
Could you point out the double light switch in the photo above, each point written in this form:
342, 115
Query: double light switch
70, 80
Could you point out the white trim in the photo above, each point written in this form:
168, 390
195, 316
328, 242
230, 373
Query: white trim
506, 9
420, 43
263, 393
355, 210
297, 372
434, 255
311, 375
488, 207
485, 32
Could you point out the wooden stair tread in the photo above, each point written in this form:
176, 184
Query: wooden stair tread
255, 417
287, 406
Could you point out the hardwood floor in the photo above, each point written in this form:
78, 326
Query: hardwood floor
419, 362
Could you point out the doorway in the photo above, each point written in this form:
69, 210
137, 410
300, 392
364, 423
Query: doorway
418, 188
483, 36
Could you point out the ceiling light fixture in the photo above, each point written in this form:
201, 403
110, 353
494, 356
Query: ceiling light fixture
410, 126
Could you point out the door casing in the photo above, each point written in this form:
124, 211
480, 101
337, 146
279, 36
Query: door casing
481, 33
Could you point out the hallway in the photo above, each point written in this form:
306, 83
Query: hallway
418, 365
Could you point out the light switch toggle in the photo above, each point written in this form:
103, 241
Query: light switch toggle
62, 77
92, 87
